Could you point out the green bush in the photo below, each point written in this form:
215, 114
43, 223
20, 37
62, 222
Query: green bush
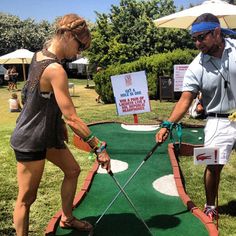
154, 66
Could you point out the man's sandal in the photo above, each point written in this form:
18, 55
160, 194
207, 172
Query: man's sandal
73, 223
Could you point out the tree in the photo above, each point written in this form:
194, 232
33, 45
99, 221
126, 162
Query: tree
16, 34
231, 2
128, 32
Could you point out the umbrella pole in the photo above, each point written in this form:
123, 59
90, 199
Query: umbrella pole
87, 76
23, 65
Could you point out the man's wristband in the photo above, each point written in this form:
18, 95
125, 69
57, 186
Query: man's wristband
167, 124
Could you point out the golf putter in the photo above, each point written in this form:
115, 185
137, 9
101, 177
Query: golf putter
129, 200
127, 182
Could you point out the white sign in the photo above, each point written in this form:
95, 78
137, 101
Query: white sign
131, 93
179, 71
207, 156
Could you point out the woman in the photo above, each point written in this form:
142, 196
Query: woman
40, 131
8, 78
13, 75
14, 103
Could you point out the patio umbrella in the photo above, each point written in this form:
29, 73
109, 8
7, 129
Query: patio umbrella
225, 12
19, 56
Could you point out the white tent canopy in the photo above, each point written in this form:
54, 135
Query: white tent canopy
20, 56
82, 60
225, 12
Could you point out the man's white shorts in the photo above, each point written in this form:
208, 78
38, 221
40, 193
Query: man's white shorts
221, 133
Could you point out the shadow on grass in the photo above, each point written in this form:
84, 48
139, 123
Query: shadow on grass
7, 232
90, 87
228, 209
126, 225
75, 96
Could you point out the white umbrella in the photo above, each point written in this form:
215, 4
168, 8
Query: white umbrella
225, 12
20, 56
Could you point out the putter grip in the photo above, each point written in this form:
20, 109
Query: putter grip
152, 151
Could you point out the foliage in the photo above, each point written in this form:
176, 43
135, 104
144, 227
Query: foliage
123, 35
231, 2
16, 33
128, 33
154, 66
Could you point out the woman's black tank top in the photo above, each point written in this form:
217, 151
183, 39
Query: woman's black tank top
40, 124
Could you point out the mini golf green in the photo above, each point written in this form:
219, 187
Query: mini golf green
164, 214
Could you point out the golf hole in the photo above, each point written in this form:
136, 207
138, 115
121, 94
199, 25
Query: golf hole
140, 127
166, 185
194, 131
116, 166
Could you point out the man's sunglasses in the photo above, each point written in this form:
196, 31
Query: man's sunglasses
201, 37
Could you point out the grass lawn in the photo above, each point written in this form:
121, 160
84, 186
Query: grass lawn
48, 201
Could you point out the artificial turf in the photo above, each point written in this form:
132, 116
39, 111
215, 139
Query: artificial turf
164, 214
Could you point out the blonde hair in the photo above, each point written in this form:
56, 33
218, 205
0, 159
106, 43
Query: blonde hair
14, 96
77, 26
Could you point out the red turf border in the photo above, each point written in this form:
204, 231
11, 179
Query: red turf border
185, 150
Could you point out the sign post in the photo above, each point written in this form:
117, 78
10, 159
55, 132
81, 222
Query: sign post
131, 94
135, 118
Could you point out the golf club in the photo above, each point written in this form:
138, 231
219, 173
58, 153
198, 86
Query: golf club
129, 200
127, 182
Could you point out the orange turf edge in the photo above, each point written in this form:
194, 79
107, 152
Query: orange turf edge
187, 150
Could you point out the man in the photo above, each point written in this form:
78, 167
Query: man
213, 72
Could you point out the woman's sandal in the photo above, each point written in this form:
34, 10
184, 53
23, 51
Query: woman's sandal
73, 223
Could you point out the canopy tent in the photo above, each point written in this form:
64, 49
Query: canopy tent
225, 12
83, 61
19, 56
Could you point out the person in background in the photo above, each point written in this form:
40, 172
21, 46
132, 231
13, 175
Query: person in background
41, 132
98, 99
8, 79
14, 103
213, 72
13, 76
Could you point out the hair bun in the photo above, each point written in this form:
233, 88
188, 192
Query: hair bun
76, 25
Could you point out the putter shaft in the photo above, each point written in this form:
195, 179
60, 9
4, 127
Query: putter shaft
129, 200
127, 182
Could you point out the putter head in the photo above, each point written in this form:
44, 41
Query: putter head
91, 232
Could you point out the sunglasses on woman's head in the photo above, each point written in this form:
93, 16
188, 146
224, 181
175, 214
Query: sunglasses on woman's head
201, 37
81, 45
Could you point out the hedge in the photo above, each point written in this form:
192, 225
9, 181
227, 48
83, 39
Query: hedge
154, 66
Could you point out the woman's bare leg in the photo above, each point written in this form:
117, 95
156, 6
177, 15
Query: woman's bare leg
29, 175
64, 159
